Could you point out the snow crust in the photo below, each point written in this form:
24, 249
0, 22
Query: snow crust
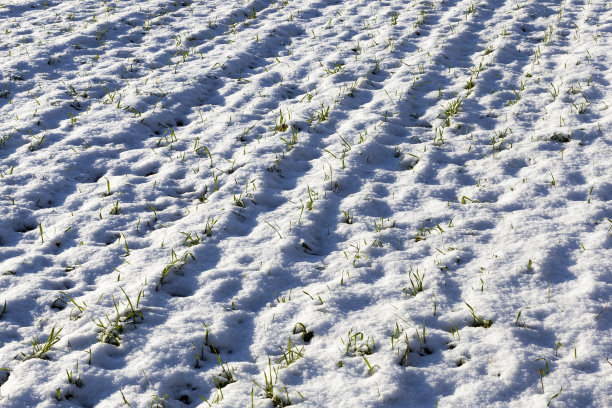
318, 203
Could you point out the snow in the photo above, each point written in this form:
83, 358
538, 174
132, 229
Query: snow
323, 203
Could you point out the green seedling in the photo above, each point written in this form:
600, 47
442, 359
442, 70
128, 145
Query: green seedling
215, 180
210, 223
191, 240
518, 316
293, 141
422, 338
4, 138
465, 199
110, 330
80, 308
72, 379
276, 229
420, 19
283, 298
452, 108
36, 142
207, 153
115, 208
108, 189
379, 226
300, 328
558, 345
312, 195
454, 330
394, 18
154, 212
479, 321
176, 264
581, 107
416, 283
226, 377
470, 10
554, 92
291, 354
125, 401
348, 218
438, 135
546, 370
407, 350
39, 350
127, 248
355, 345
517, 97
470, 84
268, 387
281, 125
554, 396
337, 68
134, 313
323, 113
369, 365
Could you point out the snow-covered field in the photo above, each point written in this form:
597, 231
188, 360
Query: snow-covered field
322, 203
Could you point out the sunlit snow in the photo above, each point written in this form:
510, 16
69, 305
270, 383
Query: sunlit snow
359, 203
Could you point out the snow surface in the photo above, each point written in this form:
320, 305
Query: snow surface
186, 244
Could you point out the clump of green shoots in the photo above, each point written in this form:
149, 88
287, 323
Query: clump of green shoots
348, 218
479, 321
338, 67
416, 282
356, 346
226, 377
110, 329
36, 142
210, 223
39, 349
394, 18
115, 208
323, 113
268, 387
281, 125
74, 378
133, 312
452, 109
291, 354
176, 264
